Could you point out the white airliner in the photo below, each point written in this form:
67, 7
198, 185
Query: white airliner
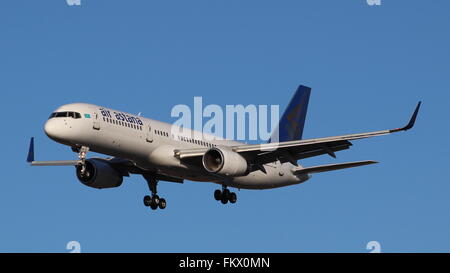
150, 148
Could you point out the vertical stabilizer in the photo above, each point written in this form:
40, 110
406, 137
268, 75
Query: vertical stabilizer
292, 122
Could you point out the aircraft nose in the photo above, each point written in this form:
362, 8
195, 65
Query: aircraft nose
50, 129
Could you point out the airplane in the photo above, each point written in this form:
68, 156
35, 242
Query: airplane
155, 150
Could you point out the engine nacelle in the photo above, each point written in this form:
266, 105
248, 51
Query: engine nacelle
99, 174
225, 162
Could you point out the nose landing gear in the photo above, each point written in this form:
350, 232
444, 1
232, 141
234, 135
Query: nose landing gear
225, 196
154, 201
82, 152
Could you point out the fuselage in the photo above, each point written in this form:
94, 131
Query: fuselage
150, 144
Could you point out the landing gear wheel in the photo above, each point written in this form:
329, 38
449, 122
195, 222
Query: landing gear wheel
147, 200
224, 200
218, 195
153, 206
226, 194
155, 200
233, 198
162, 203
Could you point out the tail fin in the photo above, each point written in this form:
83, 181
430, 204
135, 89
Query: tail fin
292, 122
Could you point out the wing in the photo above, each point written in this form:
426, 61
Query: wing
291, 151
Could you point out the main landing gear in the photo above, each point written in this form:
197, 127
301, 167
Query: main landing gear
225, 196
154, 201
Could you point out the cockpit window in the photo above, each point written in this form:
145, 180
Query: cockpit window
75, 115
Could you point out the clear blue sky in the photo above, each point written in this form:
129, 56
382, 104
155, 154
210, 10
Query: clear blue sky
368, 67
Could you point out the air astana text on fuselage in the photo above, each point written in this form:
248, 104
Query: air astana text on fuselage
120, 116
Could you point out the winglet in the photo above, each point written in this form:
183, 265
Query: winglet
411, 121
30, 157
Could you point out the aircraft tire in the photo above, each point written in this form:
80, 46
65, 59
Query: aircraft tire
233, 198
226, 194
162, 203
218, 195
153, 206
147, 200
224, 200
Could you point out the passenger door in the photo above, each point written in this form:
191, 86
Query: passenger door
149, 133
96, 125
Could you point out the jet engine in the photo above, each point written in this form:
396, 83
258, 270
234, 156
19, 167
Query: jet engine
99, 174
225, 162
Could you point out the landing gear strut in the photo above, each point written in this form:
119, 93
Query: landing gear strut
82, 152
225, 196
153, 201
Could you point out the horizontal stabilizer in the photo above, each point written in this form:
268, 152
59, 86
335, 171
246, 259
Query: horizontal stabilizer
332, 167
30, 159
56, 163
